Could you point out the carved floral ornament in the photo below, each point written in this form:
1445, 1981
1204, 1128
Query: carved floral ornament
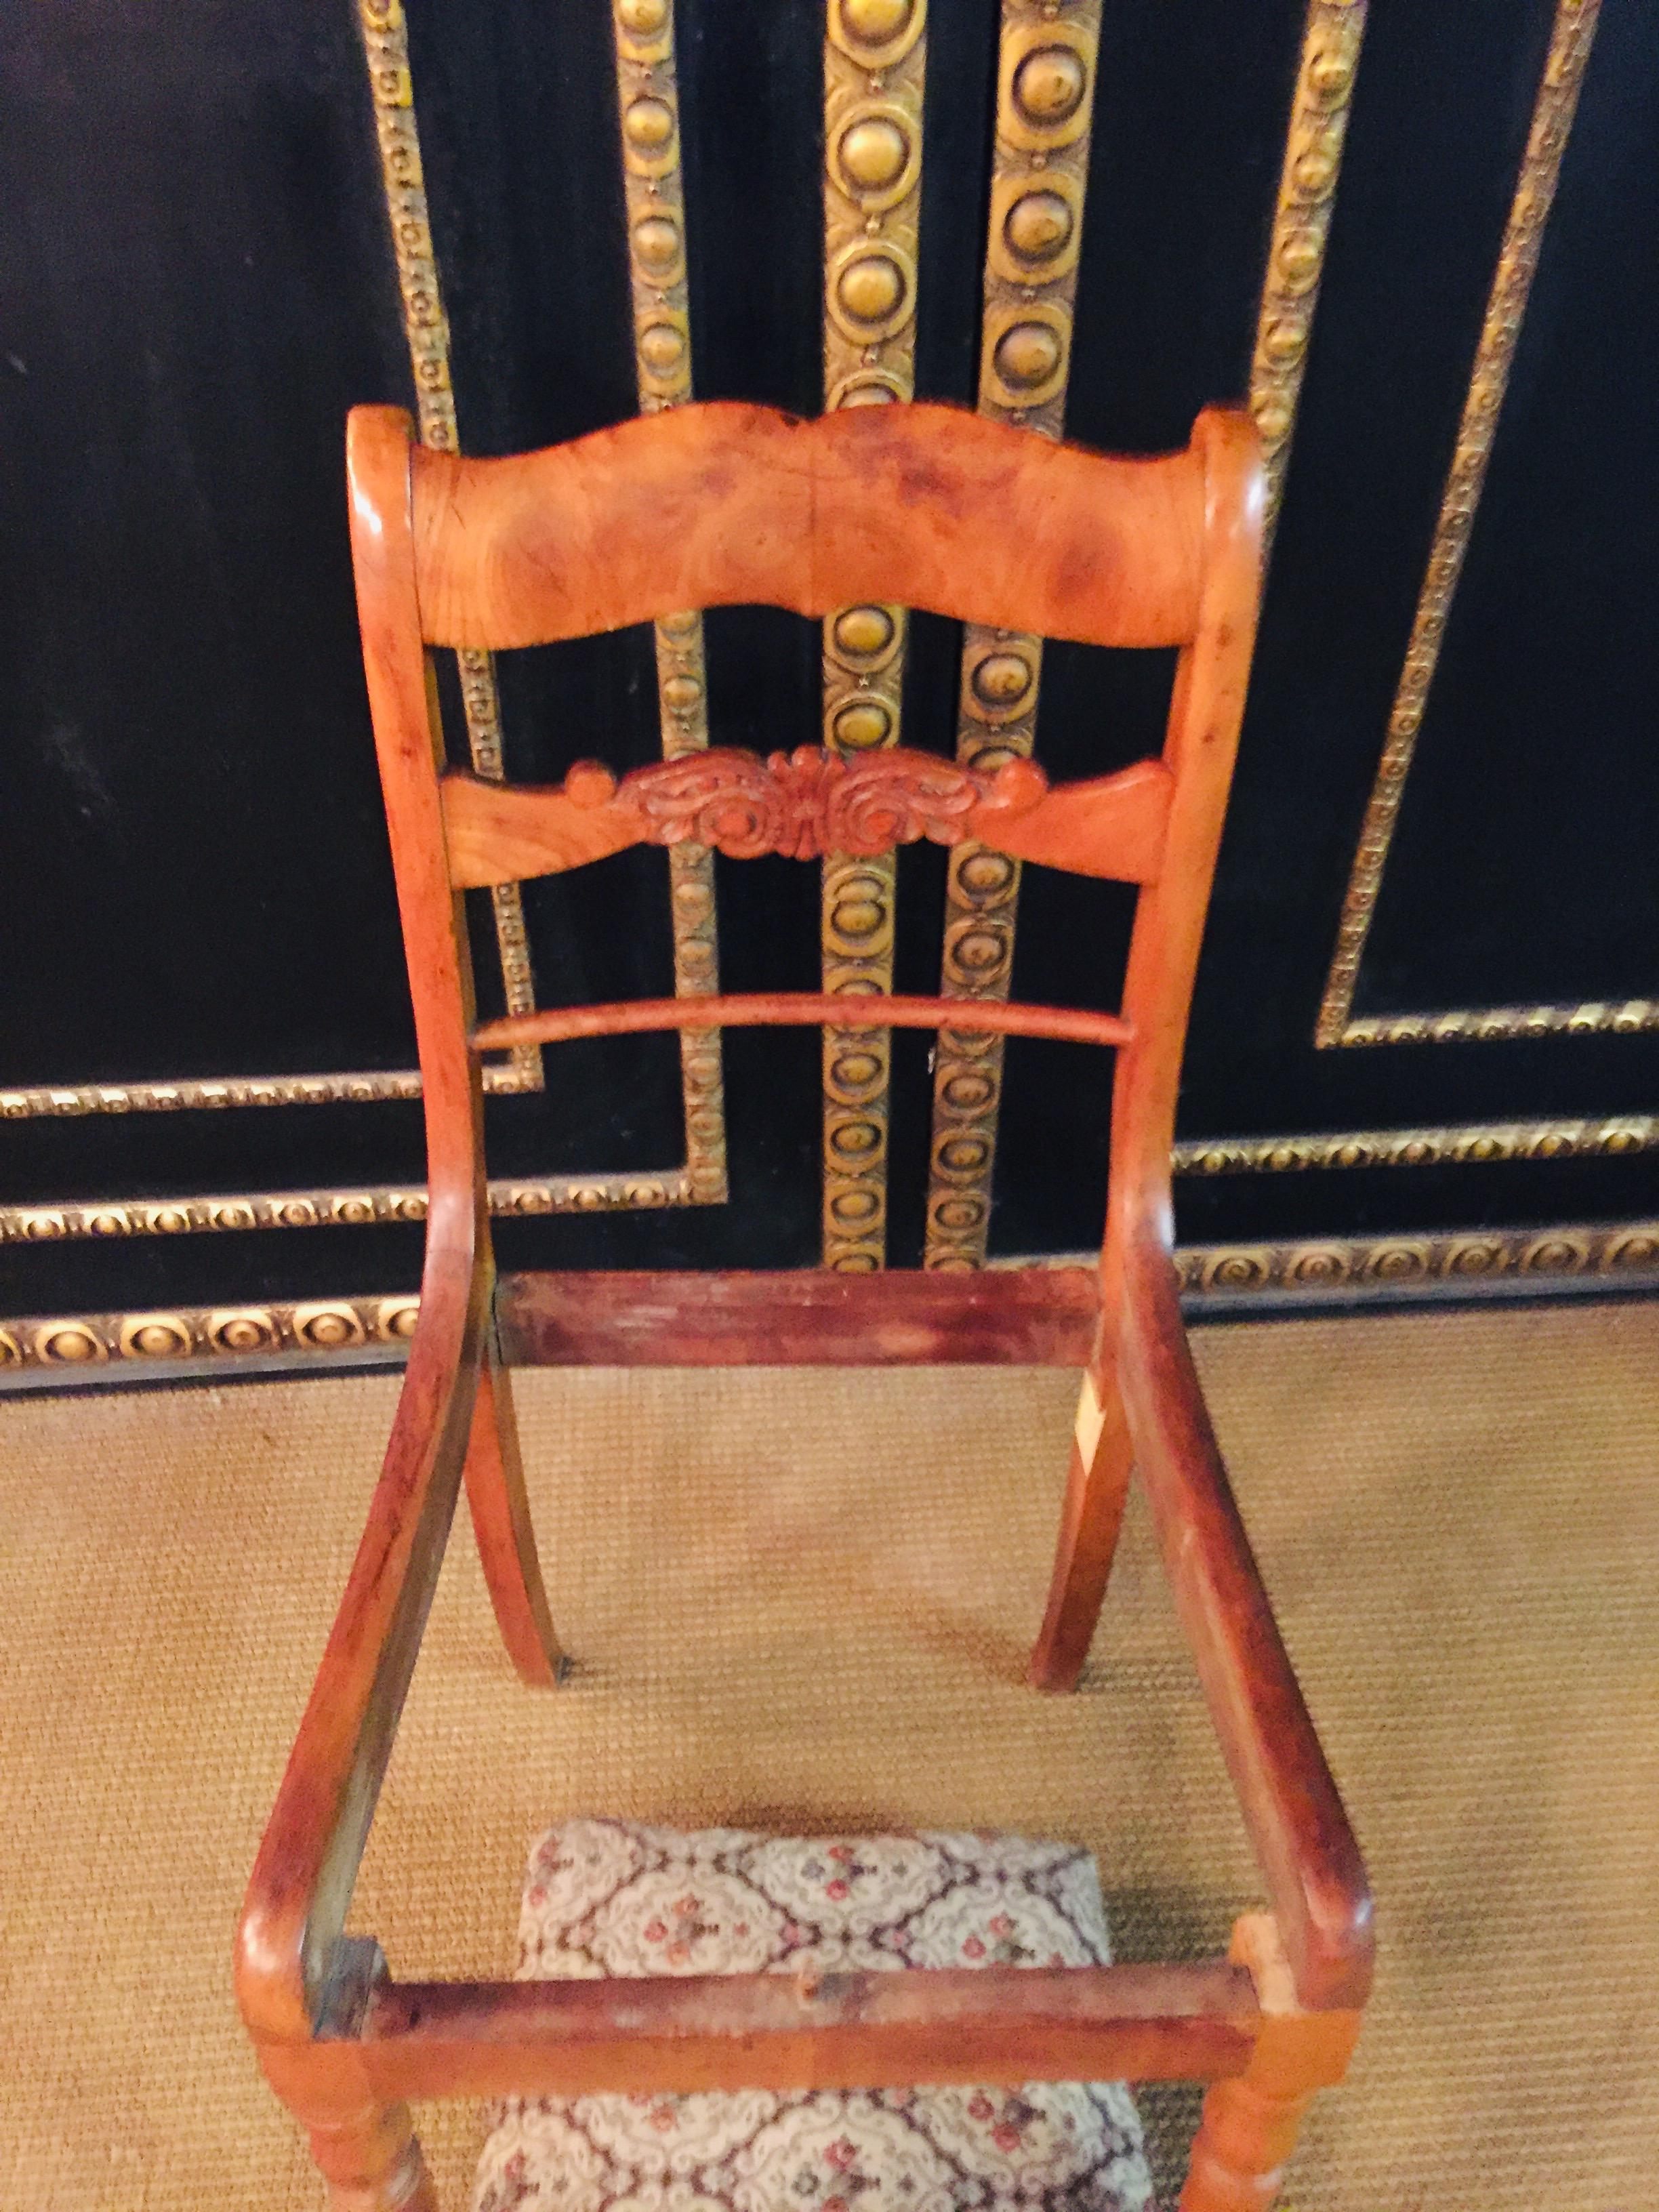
806, 803
796, 804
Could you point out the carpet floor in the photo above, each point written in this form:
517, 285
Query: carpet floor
803, 1602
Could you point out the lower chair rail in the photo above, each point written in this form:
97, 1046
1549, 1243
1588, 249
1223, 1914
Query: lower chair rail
774, 2031
811, 1317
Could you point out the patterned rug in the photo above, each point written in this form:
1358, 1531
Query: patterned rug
612, 1897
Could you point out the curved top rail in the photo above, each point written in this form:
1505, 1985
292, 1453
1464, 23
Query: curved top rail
726, 503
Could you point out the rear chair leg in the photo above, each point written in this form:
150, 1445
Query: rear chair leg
506, 1541
1249, 2125
1097, 1485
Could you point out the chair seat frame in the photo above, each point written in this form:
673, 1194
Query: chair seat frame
720, 504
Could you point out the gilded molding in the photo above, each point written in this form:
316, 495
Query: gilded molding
1464, 1143
1467, 1144
83, 1344
385, 44
874, 63
1493, 1024
1045, 104
1571, 37
647, 107
360, 1207
1329, 63
369, 1086
71, 1346
1626, 1252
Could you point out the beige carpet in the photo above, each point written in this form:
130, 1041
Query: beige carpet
803, 1602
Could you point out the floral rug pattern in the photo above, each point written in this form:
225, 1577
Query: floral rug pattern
612, 1898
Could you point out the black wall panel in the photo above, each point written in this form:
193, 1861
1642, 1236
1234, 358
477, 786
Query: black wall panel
193, 875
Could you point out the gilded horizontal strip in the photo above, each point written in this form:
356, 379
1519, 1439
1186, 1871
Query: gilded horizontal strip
385, 45
1493, 1024
1047, 67
1463, 1144
1329, 64
357, 1207
1628, 1251
213, 1093
85, 1345
647, 106
1571, 37
874, 63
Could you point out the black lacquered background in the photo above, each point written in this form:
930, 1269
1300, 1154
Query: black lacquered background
194, 879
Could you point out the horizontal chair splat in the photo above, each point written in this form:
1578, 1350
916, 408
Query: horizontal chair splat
802, 1010
803, 805
846, 2031
1014, 1317
728, 504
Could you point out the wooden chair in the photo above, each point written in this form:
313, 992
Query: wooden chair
926, 507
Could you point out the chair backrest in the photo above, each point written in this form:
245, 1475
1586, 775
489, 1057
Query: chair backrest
923, 505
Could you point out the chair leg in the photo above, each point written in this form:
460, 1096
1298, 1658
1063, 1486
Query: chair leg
372, 2159
1097, 1485
1249, 2125
507, 1540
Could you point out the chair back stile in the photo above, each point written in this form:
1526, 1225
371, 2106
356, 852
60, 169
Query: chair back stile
1205, 709
302, 1884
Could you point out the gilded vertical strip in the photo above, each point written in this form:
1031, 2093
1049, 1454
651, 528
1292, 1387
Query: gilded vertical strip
385, 41
1571, 37
648, 106
1045, 101
874, 63
1296, 253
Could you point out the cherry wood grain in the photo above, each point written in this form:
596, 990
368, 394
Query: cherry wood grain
805, 805
1098, 1470
1250, 2122
1017, 1316
800, 1010
1316, 1877
301, 1881
1206, 708
725, 503
928, 507
1113, 826
1308, 1852
843, 2030
502, 1529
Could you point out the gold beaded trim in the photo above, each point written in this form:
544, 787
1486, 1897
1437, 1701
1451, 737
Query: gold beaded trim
47, 1220
1470, 1144
1571, 37
362, 1087
1045, 104
874, 63
1627, 1252
82, 1343
1491, 1024
85, 1345
647, 100
385, 45
1466, 1144
1331, 41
